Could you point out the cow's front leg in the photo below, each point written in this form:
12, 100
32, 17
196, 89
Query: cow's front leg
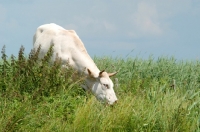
84, 86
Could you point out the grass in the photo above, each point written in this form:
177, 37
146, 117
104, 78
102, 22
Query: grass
154, 95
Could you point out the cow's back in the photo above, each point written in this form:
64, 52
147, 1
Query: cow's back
64, 41
66, 45
46, 29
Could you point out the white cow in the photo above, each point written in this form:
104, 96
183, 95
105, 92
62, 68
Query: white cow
69, 47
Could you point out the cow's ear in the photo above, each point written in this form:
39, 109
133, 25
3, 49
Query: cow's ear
90, 73
100, 73
112, 74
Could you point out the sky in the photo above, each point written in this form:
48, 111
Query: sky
128, 28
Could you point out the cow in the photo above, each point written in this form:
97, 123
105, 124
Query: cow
70, 49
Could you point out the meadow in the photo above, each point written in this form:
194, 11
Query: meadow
154, 94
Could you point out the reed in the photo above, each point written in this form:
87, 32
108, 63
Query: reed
154, 95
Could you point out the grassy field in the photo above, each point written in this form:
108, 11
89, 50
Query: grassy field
160, 94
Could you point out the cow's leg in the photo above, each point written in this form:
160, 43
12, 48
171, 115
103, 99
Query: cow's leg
84, 86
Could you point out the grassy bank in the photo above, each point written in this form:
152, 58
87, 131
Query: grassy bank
154, 95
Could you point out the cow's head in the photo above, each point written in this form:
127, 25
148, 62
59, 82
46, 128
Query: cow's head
102, 86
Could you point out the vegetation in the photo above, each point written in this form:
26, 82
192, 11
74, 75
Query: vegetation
154, 95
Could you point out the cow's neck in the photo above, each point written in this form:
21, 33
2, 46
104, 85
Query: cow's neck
82, 61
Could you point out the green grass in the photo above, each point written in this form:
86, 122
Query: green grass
154, 95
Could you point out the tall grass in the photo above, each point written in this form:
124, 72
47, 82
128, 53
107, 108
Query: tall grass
154, 95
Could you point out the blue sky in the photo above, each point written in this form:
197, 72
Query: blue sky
109, 28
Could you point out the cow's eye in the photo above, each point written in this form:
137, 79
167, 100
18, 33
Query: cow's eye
106, 85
